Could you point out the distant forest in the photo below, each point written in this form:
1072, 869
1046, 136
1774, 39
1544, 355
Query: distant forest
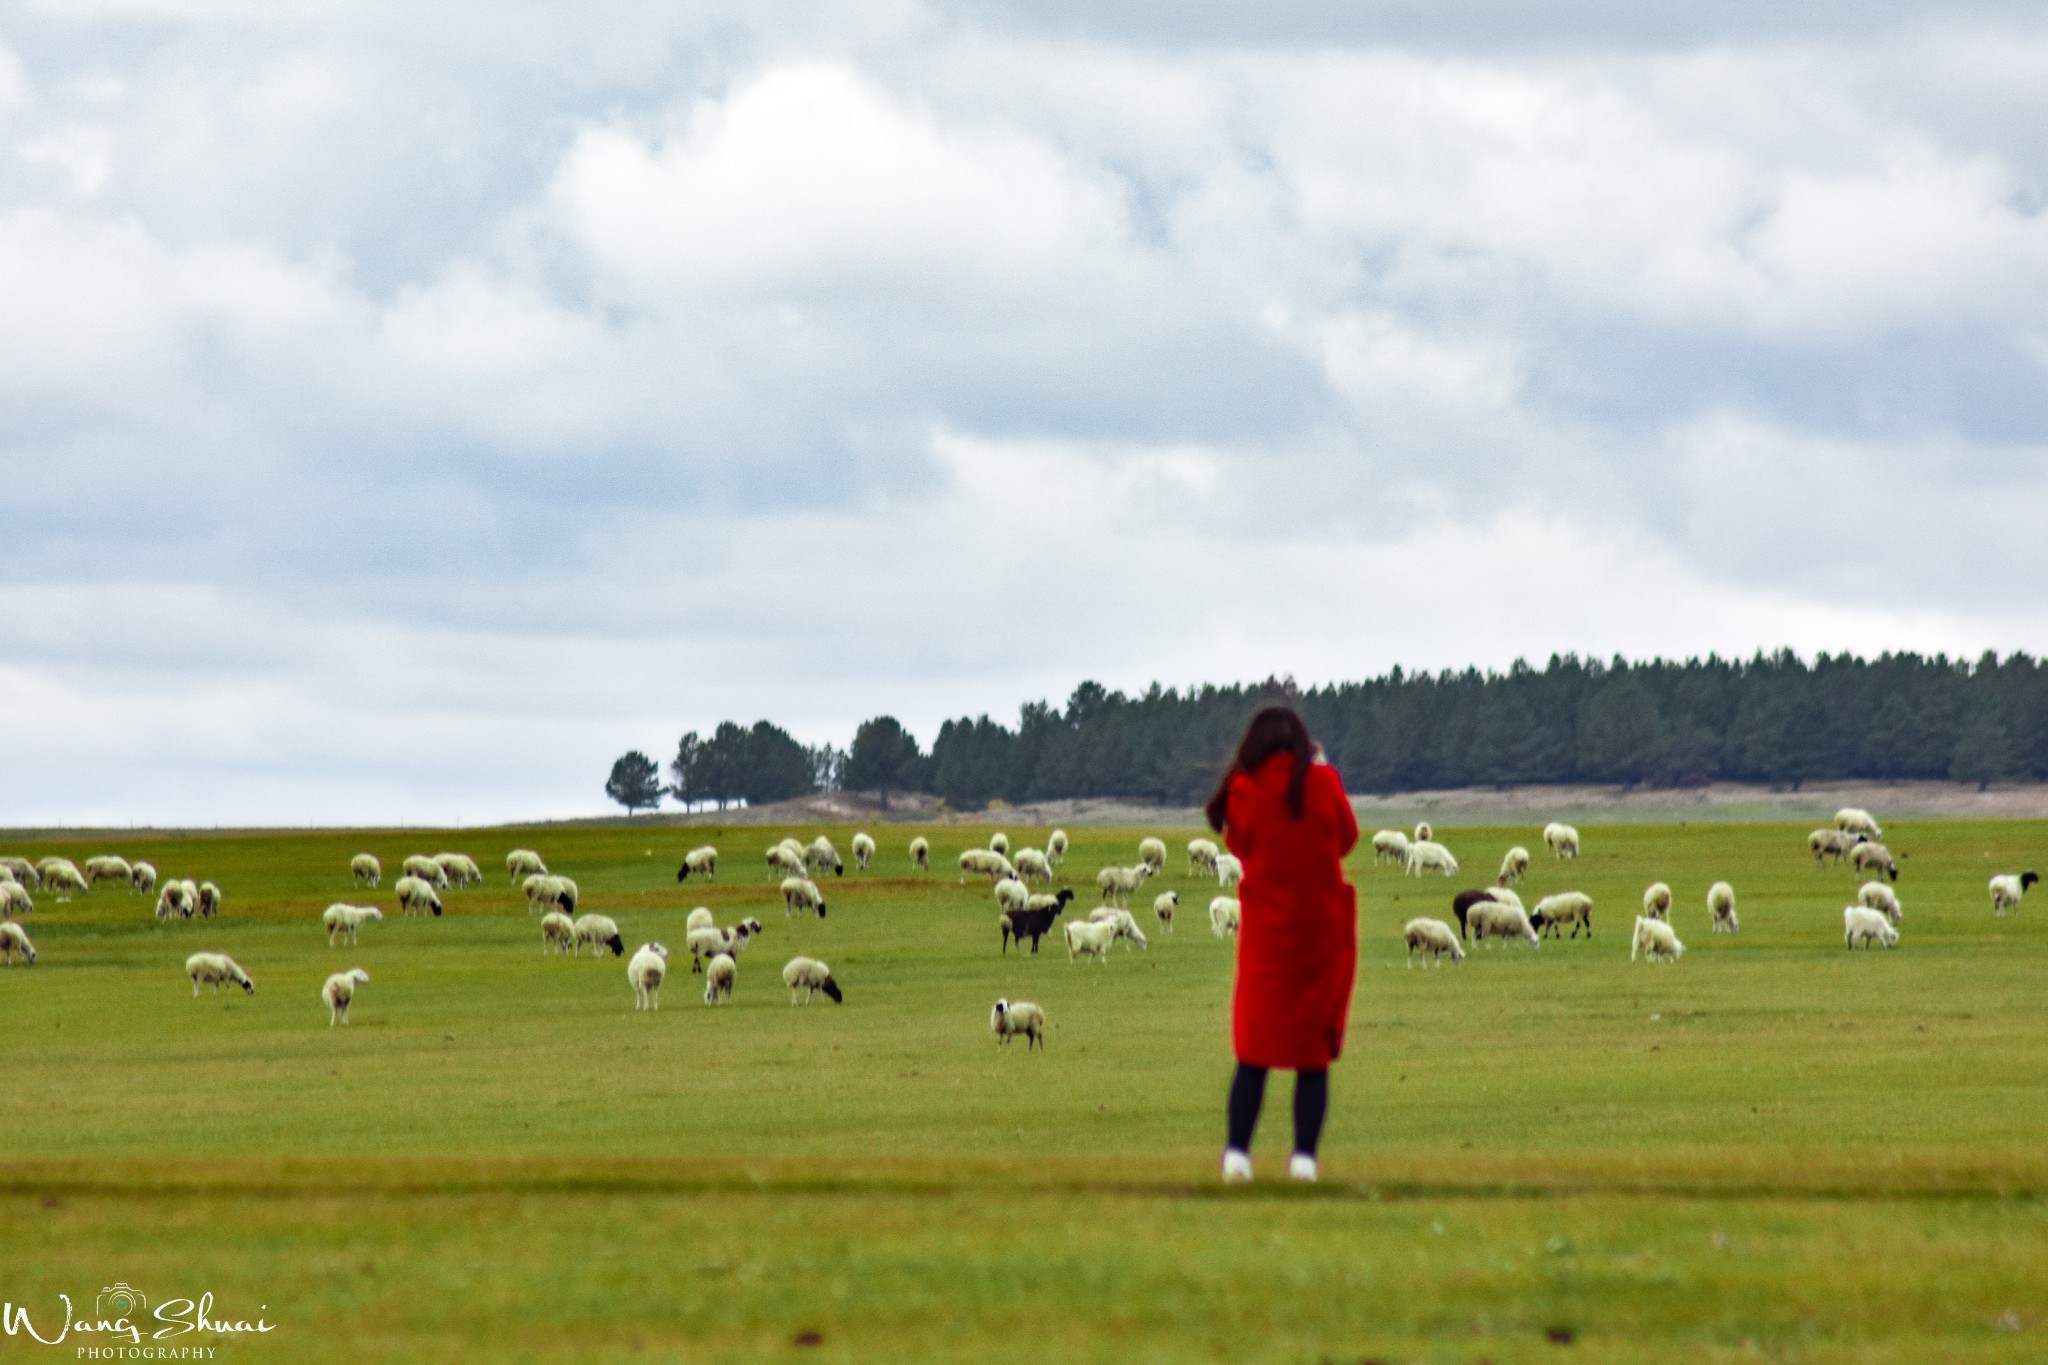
1775, 719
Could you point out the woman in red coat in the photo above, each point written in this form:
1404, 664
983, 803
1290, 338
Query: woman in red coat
1283, 811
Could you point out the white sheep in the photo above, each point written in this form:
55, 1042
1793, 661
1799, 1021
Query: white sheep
1011, 894
1390, 846
599, 931
208, 900
1562, 839
1118, 883
1152, 853
523, 863
1032, 866
1126, 926
1882, 899
61, 878
999, 842
982, 862
1499, 919
1861, 924
547, 891
24, 872
1424, 856
107, 868
649, 964
1223, 915
1856, 820
1163, 906
706, 944
365, 870
343, 921
1056, 847
557, 932
1091, 938
1202, 857
1834, 843
1229, 870
460, 869
1866, 856
416, 895
1434, 937
1654, 940
702, 861
172, 900
216, 970
1010, 1018
807, 974
1553, 912
14, 941
1657, 901
1514, 865
1423, 833
700, 918
427, 870
1721, 907
821, 855
801, 893
14, 899
142, 877
863, 851
340, 992
2007, 889
921, 853
719, 975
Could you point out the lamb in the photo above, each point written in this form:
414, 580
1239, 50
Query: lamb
1498, 919
14, 899
1563, 840
1721, 906
1863, 857
599, 931
340, 991
645, 971
1861, 924
1833, 843
107, 868
1514, 865
921, 853
2007, 889
1856, 820
1202, 857
24, 872
1657, 901
343, 921
14, 941
706, 944
1229, 870
807, 974
1423, 833
1012, 894
209, 900
1152, 853
1091, 938
427, 870
863, 851
700, 918
801, 893
1126, 926
61, 877
1223, 913
365, 869
1434, 937
1390, 846
172, 900
1033, 866
1163, 906
999, 842
1424, 856
142, 877
523, 863
981, 862
1882, 899
1552, 913
459, 868
557, 931
1009, 1019
704, 862
1654, 940
822, 855
216, 970
1035, 920
719, 974
416, 895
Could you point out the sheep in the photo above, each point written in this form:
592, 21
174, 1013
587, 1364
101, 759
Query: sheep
343, 921
999, 842
1011, 894
2007, 889
801, 893
107, 868
1202, 857
704, 862
1163, 906
1424, 856
1856, 820
719, 974
545, 891
1056, 847
557, 932
1657, 901
209, 900
61, 878
1423, 833
365, 870
1032, 866
1861, 924
14, 899
1654, 940
1499, 919
427, 870
1223, 913
1881, 898
1721, 907
1552, 913
1229, 870
645, 971
1562, 839
142, 877
1008, 1019
1034, 920
700, 918
981, 862
807, 974
1152, 853
821, 855
921, 853
172, 900
1390, 846
706, 944
523, 863
599, 931
416, 895
1835, 843
216, 970
14, 941
340, 992
24, 872
459, 868
1091, 938
1515, 865
1117, 883
1126, 926
863, 851
1434, 937
1863, 857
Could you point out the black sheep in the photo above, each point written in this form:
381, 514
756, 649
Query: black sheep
1033, 924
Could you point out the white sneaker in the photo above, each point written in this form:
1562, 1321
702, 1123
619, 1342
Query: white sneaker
1301, 1166
1237, 1166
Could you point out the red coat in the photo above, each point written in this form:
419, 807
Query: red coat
1297, 938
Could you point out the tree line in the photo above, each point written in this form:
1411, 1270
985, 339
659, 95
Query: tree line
1775, 719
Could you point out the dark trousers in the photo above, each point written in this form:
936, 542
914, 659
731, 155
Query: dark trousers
1311, 1104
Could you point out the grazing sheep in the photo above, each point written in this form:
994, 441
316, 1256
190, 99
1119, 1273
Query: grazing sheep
557, 931
1654, 940
415, 896
365, 870
191, 889
706, 944
1091, 938
1833, 843
14, 899
645, 971
1721, 907
1223, 913
1499, 919
1552, 913
599, 931
1562, 839
24, 872
1462, 903
1126, 926
1163, 906
1012, 894
545, 891
788, 861
700, 918
1657, 901
821, 855
1434, 937
1152, 853
999, 842
340, 992
1009, 1019
1423, 833
1515, 865
801, 893
1863, 857
209, 900
1882, 899
107, 868
427, 870
142, 877
1035, 920
1861, 924
1229, 871
1856, 820
461, 869
216, 970
863, 851
1118, 883
719, 974
981, 862
807, 974
921, 853
2007, 889
61, 878
14, 941
173, 900
343, 921
1424, 856
704, 862
523, 863
1202, 857
1390, 846
1056, 847
1033, 866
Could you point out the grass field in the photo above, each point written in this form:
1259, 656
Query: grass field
1774, 1149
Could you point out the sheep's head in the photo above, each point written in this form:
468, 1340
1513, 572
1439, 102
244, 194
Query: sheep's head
683, 873
831, 989
617, 945
2027, 879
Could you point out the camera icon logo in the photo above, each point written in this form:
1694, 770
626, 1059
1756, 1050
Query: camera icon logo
118, 1300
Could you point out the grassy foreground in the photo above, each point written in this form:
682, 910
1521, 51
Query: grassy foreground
1773, 1149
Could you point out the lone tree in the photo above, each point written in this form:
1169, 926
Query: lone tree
884, 758
635, 782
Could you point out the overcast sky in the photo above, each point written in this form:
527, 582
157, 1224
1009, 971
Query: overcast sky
405, 409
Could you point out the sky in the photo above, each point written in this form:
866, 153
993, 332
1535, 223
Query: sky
406, 409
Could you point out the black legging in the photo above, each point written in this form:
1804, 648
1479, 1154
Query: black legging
1311, 1103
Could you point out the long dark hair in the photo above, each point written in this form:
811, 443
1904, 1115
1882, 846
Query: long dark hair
1274, 730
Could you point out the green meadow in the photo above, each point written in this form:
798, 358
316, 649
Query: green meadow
1774, 1149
